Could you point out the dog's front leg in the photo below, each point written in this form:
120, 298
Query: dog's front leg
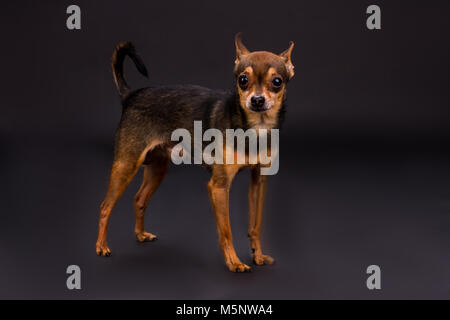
256, 197
218, 188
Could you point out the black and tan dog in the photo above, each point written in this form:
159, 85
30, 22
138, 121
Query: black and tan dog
150, 115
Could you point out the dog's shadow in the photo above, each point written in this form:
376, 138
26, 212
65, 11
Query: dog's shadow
157, 256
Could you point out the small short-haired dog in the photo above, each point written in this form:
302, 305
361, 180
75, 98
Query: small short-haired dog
150, 115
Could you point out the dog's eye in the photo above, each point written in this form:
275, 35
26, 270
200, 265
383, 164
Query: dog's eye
277, 82
243, 80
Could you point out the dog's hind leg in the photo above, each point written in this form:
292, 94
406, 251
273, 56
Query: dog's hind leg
155, 170
125, 166
122, 173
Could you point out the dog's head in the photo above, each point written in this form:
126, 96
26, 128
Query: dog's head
261, 79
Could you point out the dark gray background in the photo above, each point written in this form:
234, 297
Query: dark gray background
365, 167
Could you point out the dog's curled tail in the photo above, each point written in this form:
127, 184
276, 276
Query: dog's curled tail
122, 50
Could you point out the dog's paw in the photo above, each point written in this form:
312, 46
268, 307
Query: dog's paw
103, 250
239, 267
146, 237
263, 259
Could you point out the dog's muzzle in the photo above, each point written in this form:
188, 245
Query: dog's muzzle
258, 104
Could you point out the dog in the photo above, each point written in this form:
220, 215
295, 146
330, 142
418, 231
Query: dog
150, 115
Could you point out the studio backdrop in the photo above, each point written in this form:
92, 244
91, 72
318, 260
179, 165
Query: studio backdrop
359, 208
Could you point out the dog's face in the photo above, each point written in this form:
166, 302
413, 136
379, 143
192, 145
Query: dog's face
261, 79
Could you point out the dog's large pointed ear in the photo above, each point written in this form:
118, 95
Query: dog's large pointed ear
240, 48
286, 55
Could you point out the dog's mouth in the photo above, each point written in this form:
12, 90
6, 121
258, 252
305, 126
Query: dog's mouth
262, 109
261, 120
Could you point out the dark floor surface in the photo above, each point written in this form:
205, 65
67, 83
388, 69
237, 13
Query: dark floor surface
333, 209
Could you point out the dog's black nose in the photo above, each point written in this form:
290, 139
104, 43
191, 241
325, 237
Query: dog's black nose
257, 102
